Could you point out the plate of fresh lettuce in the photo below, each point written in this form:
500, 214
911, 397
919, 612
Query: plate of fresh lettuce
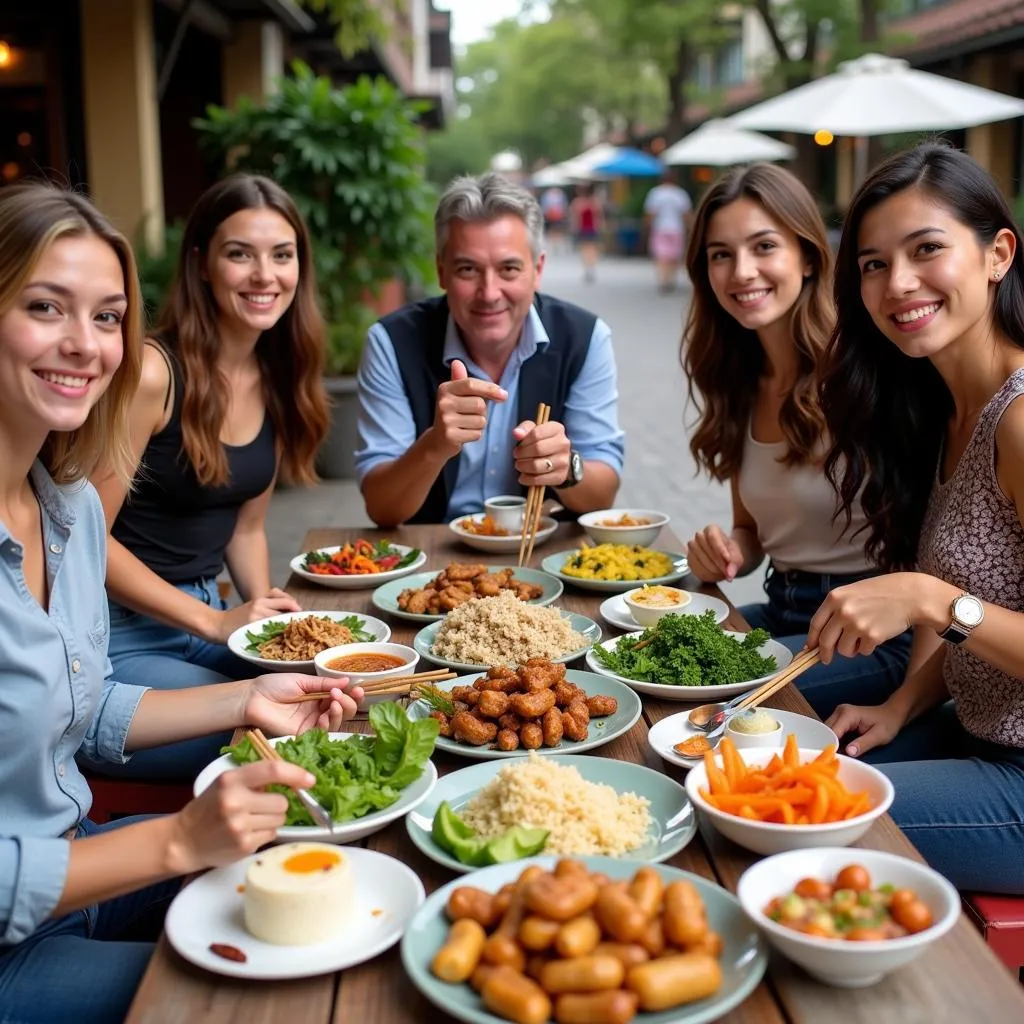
365, 781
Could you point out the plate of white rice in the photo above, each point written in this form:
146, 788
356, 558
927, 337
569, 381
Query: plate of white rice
591, 806
503, 630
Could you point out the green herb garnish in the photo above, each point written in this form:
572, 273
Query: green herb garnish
435, 699
357, 775
688, 650
275, 627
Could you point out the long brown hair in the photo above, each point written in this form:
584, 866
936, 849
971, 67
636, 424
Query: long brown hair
724, 361
33, 217
290, 355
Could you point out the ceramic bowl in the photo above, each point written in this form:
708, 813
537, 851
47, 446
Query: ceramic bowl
410, 660
648, 615
770, 837
594, 523
748, 740
840, 962
507, 510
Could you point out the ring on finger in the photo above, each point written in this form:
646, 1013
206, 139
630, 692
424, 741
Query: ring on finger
548, 465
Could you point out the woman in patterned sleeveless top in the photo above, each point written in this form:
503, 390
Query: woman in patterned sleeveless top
926, 364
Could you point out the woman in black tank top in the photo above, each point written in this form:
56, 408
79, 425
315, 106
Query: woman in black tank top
231, 395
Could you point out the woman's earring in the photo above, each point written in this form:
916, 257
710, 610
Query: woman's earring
995, 276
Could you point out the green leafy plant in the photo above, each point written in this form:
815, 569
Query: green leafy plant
156, 270
352, 159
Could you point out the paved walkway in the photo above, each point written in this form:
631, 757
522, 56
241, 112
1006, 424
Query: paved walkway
659, 471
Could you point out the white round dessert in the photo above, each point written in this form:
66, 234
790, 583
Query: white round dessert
298, 894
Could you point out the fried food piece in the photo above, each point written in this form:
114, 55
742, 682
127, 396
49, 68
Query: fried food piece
503, 684
444, 721
573, 727
502, 672
488, 585
599, 705
415, 601
492, 703
508, 739
465, 694
531, 736
579, 710
528, 591
551, 723
510, 720
536, 677
451, 597
468, 729
533, 705
565, 693
459, 571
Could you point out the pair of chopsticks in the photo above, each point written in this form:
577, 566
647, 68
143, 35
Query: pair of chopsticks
396, 684
534, 502
800, 664
266, 750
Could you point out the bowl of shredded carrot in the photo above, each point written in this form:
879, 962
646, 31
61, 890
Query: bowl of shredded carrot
770, 801
357, 564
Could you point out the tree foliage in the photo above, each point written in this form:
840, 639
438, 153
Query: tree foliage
356, 22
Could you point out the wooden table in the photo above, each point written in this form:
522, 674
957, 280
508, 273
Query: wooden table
957, 979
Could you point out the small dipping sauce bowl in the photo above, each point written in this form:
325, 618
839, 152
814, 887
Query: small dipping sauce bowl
507, 510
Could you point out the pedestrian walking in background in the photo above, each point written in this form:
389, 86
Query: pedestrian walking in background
587, 220
667, 213
555, 206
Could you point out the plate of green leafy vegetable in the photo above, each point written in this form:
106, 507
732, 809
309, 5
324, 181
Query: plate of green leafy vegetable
358, 564
364, 781
690, 657
289, 641
437, 828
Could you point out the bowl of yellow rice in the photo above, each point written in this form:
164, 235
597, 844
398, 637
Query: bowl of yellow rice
614, 568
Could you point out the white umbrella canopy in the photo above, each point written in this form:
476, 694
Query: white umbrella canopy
717, 143
554, 174
879, 95
581, 167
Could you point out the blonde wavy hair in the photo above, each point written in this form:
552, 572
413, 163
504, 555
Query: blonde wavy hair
33, 217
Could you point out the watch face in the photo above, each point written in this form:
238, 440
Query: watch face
576, 466
968, 610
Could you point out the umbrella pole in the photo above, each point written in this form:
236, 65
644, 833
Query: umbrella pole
860, 161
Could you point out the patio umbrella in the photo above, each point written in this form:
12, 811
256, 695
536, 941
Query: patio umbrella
581, 167
879, 95
629, 163
717, 143
554, 174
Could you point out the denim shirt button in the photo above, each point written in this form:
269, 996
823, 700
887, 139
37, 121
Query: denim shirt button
60, 770
56, 549
76, 665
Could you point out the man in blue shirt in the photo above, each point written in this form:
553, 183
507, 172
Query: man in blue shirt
449, 387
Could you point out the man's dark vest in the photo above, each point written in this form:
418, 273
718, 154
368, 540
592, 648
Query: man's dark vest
417, 333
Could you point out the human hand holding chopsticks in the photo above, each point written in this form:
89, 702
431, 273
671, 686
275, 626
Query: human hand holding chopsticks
271, 703
541, 454
233, 817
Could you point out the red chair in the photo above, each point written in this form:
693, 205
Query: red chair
1000, 919
118, 798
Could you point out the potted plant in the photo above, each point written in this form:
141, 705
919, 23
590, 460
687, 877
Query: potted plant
352, 159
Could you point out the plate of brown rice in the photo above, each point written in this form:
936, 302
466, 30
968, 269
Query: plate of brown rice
503, 630
590, 806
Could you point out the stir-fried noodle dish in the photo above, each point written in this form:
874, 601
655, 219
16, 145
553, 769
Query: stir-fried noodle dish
303, 639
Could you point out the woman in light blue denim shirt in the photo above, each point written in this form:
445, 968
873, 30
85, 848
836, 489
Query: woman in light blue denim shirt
71, 891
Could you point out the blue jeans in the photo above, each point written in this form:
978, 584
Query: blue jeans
793, 598
960, 801
148, 653
84, 968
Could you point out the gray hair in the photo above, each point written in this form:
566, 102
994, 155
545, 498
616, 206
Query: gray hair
485, 198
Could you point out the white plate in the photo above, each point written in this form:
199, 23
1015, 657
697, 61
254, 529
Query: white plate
346, 832
356, 582
809, 733
499, 545
387, 896
616, 611
237, 641
697, 694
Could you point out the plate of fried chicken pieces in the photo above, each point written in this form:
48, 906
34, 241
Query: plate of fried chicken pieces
429, 596
508, 712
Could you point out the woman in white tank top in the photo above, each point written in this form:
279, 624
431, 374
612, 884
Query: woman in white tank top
759, 321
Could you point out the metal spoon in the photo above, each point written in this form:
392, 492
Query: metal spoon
712, 737
708, 716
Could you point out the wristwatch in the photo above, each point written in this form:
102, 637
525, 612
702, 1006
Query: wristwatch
966, 612
575, 474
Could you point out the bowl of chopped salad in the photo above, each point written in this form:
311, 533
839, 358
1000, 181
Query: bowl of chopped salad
357, 564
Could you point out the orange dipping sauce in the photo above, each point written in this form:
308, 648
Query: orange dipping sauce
311, 860
365, 663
